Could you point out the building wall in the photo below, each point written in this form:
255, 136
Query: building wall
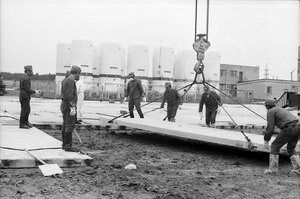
231, 74
268, 88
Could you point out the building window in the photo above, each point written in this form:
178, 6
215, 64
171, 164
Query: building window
269, 89
232, 73
223, 73
223, 87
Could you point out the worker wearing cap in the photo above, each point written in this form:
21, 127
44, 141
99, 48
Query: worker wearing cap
212, 101
173, 100
134, 93
68, 107
25, 96
289, 134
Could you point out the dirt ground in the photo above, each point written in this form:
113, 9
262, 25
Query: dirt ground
166, 168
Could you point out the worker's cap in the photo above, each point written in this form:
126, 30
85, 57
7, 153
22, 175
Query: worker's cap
168, 84
270, 102
27, 68
206, 88
75, 69
131, 75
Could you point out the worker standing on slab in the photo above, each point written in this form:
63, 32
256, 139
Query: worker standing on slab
173, 100
25, 96
80, 98
212, 101
289, 134
134, 93
68, 107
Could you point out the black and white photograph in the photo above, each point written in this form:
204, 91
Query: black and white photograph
140, 99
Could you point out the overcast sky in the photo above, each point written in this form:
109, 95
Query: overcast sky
245, 32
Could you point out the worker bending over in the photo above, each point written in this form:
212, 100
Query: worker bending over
212, 101
289, 134
173, 100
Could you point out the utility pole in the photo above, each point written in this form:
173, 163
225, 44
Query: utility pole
266, 72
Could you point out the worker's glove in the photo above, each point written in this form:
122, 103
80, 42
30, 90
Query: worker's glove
72, 111
201, 115
144, 99
266, 144
276, 131
180, 107
218, 110
124, 100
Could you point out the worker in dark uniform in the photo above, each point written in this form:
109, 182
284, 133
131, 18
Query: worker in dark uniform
289, 134
25, 96
212, 101
134, 93
173, 100
2, 86
68, 107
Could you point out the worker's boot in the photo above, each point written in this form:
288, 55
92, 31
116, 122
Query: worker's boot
273, 164
172, 119
296, 165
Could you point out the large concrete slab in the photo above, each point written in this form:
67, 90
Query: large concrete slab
195, 132
14, 140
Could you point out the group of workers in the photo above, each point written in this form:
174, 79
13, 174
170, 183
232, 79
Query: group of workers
288, 124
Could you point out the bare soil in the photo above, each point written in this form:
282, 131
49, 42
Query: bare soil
166, 168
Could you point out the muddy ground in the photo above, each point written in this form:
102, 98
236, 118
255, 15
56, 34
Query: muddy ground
166, 168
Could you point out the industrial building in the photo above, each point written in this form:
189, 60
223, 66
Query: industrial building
262, 89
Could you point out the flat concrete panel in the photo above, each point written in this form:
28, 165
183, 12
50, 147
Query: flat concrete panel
196, 132
14, 140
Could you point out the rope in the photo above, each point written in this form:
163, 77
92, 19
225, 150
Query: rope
34, 149
250, 145
235, 100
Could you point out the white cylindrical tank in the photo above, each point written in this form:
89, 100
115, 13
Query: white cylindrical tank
212, 67
162, 69
63, 62
138, 62
82, 55
184, 73
111, 68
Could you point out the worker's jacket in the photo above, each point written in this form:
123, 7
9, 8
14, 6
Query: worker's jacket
25, 87
134, 89
211, 101
279, 117
68, 92
172, 97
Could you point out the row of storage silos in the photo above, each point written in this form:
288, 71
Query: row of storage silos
105, 67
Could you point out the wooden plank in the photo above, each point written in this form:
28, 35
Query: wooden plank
196, 132
14, 140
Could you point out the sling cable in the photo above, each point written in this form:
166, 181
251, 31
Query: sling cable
201, 44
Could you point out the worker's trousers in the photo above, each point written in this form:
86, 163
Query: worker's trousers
210, 115
67, 126
137, 104
171, 112
289, 136
25, 111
